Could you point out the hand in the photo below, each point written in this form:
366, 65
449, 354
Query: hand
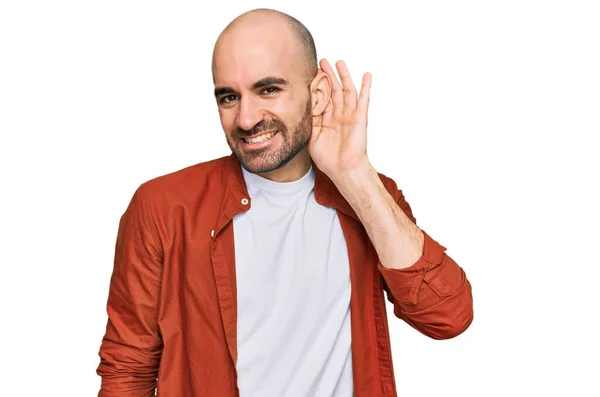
338, 143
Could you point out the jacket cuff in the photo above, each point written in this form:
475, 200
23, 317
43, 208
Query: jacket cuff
405, 283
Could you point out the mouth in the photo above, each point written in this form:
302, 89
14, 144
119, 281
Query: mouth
265, 136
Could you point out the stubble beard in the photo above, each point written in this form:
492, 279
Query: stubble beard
269, 159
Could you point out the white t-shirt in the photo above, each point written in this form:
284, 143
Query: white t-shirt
293, 292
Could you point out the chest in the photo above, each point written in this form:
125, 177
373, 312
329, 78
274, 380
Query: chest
289, 256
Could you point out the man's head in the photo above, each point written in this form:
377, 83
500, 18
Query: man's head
267, 81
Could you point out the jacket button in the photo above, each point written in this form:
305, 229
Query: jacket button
245, 201
212, 233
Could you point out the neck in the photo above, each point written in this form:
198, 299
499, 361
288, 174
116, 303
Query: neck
292, 171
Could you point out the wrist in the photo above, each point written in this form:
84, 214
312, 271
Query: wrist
358, 184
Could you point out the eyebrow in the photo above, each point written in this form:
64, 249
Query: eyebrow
259, 84
269, 81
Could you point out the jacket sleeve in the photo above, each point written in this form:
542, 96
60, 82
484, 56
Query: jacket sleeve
132, 345
433, 295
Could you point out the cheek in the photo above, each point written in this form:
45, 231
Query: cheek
290, 112
227, 117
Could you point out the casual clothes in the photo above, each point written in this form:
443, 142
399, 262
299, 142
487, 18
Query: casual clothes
173, 300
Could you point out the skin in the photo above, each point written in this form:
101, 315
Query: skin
250, 56
261, 85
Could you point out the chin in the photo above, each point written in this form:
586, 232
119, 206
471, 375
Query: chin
257, 166
260, 164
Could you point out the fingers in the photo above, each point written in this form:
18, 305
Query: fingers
365, 92
344, 95
347, 84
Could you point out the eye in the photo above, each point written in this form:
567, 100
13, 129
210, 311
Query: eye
271, 90
228, 98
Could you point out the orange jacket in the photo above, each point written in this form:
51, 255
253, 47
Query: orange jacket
172, 301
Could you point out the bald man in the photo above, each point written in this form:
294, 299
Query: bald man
262, 273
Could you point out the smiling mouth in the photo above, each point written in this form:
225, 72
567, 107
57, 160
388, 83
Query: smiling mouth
261, 138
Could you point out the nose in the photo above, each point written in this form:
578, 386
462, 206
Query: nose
249, 114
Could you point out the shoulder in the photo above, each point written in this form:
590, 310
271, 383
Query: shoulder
184, 183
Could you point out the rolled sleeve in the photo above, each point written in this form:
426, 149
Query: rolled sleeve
433, 295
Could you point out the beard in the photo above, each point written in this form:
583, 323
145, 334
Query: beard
269, 158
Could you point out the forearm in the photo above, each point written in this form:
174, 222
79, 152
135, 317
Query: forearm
397, 240
427, 287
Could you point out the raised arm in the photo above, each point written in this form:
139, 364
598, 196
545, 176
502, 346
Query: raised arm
433, 295
428, 289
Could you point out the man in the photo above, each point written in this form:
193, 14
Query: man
262, 273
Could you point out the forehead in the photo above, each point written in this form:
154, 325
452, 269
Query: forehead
247, 54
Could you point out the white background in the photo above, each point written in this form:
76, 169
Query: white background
485, 113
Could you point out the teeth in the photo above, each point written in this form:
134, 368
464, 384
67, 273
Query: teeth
260, 138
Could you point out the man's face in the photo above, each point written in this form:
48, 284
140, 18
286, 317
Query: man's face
263, 96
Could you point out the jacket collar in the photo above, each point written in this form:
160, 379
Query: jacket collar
326, 193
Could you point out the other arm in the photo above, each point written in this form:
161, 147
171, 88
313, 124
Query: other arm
132, 345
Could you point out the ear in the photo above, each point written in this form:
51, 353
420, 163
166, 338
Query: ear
320, 93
